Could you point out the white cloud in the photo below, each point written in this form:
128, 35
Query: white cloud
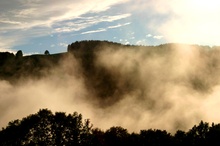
119, 25
155, 36
66, 29
127, 43
49, 12
25, 19
158, 37
63, 44
10, 22
116, 17
84, 22
186, 21
149, 35
115, 26
94, 31
141, 42
105, 29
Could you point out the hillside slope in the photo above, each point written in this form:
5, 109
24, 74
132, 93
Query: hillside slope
110, 71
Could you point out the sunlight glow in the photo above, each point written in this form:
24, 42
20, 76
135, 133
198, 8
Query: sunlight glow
192, 21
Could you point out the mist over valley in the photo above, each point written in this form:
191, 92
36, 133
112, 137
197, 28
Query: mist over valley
169, 86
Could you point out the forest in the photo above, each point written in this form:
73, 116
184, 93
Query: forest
140, 88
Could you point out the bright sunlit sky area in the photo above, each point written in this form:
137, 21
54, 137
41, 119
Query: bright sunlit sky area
34, 26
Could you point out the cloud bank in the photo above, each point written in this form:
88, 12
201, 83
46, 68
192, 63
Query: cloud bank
25, 19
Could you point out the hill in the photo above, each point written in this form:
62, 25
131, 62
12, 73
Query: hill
109, 84
107, 80
101, 81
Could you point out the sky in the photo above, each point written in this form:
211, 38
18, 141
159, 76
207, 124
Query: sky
34, 26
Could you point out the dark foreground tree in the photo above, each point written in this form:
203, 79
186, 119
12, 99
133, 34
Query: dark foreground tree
116, 136
46, 128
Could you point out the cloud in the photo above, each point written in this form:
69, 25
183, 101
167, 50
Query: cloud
158, 37
186, 21
164, 86
119, 25
8, 22
63, 44
141, 42
6, 42
25, 19
94, 31
179, 86
154, 36
105, 29
183, 21
84, 22
127, 43
27, 99
149, 35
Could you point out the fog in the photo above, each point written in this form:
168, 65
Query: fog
171, 87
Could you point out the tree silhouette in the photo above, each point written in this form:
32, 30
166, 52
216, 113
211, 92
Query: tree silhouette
86, 136
19, 54
180, 138
6, 58
116, 136
10, 135
60, 129
197, 135
46, 128
98, 137
213, 135
155, 137
42, 129
46, 52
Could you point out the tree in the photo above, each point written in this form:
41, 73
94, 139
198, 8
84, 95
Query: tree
116, 136
213, 135
19, 54
197, 135
155, 137
60, 129
6, 57
180, 137
98, 137
46, 52
45, 128
10, 135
